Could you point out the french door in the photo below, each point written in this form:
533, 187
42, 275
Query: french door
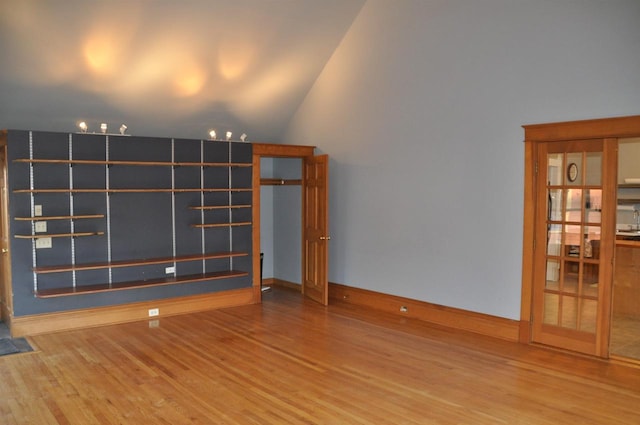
575, 215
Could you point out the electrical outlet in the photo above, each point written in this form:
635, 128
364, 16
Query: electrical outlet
43, 243
41, 226
404, 309
170, 270
37, 210
154, 312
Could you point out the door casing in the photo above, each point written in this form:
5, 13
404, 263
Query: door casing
268, 150
6, 291
610, 129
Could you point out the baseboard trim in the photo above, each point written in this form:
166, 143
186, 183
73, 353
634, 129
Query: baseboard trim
282, 283
455, 318
87, 318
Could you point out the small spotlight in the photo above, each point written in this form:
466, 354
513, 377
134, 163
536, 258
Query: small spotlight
243, 137
229, 135
212, 134
103, 128
83, 126
123, 128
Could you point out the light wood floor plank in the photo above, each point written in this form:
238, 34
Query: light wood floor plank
290, 361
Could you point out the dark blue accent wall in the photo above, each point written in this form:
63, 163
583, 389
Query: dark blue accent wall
136, 226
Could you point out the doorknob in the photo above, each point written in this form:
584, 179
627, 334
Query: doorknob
4, 250
325, 238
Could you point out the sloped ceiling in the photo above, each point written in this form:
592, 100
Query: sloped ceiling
164, 67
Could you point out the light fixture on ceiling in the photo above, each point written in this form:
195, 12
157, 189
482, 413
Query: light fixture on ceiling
229, 134
83, 126
212, 134
123, 128
243, 137
103, 128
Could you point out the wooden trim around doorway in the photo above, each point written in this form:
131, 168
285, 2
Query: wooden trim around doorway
272, 150
601, 128
592, 129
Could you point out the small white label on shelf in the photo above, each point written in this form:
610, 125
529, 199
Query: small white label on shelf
170, 270
41, 226
43, 243
154, 312
37, 210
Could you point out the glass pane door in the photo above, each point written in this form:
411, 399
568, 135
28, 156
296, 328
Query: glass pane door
569, 224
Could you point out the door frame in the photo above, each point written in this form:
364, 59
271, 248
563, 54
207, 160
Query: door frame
597, 129
267, 150
6, 289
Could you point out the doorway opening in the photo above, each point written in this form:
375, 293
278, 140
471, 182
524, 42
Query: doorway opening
625, 318
312, 208
572, 244
281, 222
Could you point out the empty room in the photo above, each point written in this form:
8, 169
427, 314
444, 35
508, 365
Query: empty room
320, 212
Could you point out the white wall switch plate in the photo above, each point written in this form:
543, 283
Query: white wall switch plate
41, 226
37, 210
170, 270
43, 243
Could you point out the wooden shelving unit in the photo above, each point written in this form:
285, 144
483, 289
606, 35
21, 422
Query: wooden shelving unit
59, 235
59, 217
219, 207
206, 226
154, 226
134, 163
280, 182
91, 289
140, 262
130, 190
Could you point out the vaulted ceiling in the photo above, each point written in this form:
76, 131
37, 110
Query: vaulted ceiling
164, 67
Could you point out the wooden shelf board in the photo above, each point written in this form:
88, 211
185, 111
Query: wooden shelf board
136, 163
140, 262
59, 235
129, 190
205, 226
280, 182
105, 287
218, 207
628, 201
59, 217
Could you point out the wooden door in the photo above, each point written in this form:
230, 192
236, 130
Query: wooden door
575, 218
315, 222
5, 273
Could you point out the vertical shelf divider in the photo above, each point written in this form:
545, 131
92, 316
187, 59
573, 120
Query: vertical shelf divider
107, 195
34, 260
204, 263
230, 213
71, 211
173, 205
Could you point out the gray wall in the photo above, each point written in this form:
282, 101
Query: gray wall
420, 109
280, 220
287, 220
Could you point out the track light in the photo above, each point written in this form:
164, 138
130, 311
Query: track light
103, 128
83, 126
212, 134
243, 137
123, 128
229, 134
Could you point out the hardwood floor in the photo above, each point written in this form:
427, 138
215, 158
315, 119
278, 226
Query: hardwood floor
290, 361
